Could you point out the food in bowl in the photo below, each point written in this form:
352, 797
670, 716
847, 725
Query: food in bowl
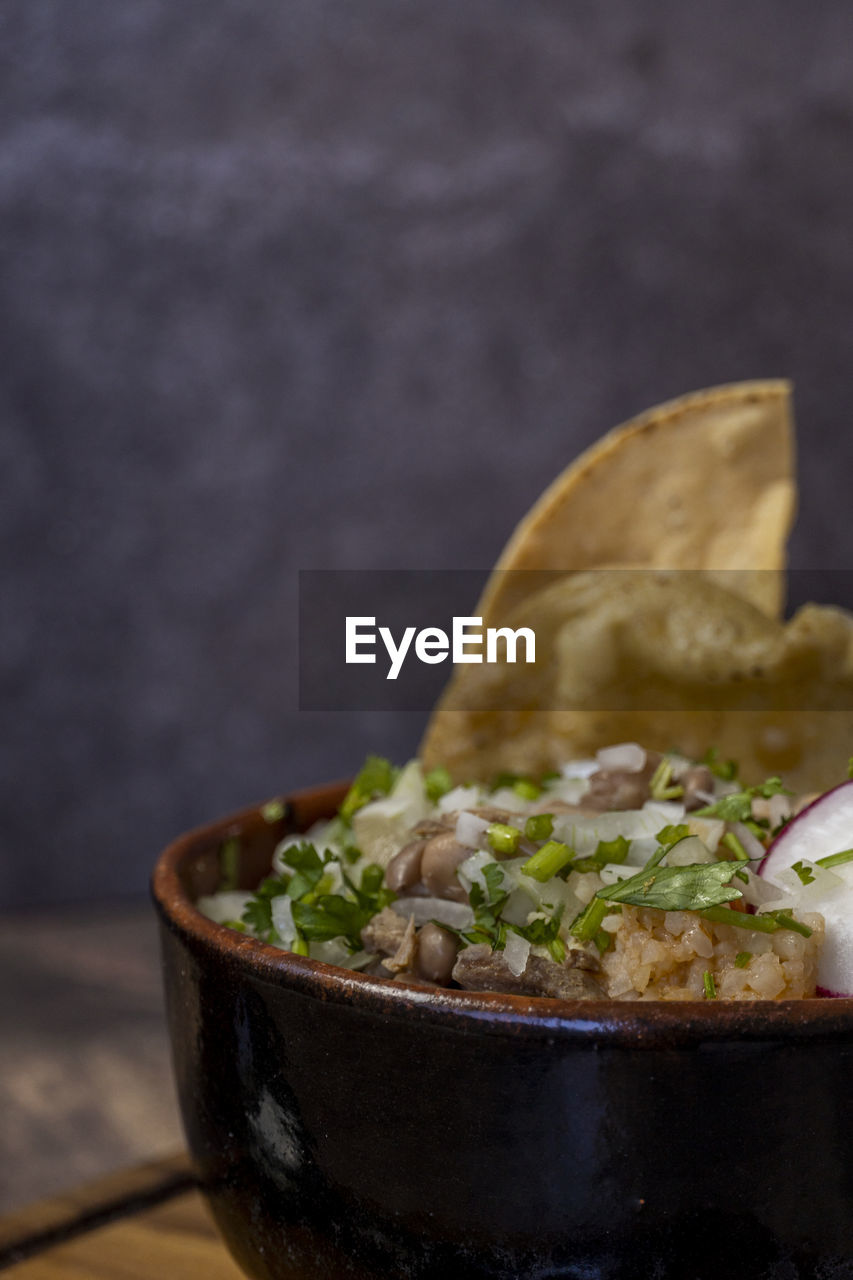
635, 875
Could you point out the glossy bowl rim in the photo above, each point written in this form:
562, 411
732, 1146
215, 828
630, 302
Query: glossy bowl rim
635, 1023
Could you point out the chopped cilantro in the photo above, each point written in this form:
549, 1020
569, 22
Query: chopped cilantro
676, 888
671, 834
437, 783
737, 807
727, 770
375, 778
603, 940
709, 985
542, 931
257, 913
805, 873
539, 826
307, 866
742, 959
331, 916
608, 851
526, 789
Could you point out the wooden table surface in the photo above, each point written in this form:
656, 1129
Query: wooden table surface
146, 1223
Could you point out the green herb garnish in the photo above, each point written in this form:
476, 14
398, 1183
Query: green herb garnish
805, 873
375, 778
550, 859
586, 925
731, 842
503, 838
608, 851
688, 888
727, 770
659, 786
835, 859
737, 807
742, 959
526, 789
539, 826
257, 913
709, 985
437, 783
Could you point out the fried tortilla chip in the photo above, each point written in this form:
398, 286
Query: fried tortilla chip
702, 482
667, 659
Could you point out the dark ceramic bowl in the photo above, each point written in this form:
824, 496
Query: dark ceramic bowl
351, 1127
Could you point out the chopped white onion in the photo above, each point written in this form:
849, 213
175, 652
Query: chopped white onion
750, 842
516, 952
670, 811
689, 852
459, 798
226, 905
629, 757
758, 892
471, 830
613, 872
282, 917
580, 768
709, 830
457, 914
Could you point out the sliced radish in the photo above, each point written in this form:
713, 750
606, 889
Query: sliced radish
824, 827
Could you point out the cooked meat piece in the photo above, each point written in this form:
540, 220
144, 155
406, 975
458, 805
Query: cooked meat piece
478, 968
384, 933
697, 779
618, 789
403, 958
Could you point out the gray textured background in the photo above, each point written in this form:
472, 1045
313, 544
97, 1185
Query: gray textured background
316, 284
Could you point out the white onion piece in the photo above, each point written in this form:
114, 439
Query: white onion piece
229, 904
333, 951
516, 952
282, 918
709, 830
628, 757
459, 798
580, 768
825, 884
689, 852
506, 798
750, 841
457, 914
471, 830
582, 833
669, 811
612, 872
471, 870
758, 892
518, 907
